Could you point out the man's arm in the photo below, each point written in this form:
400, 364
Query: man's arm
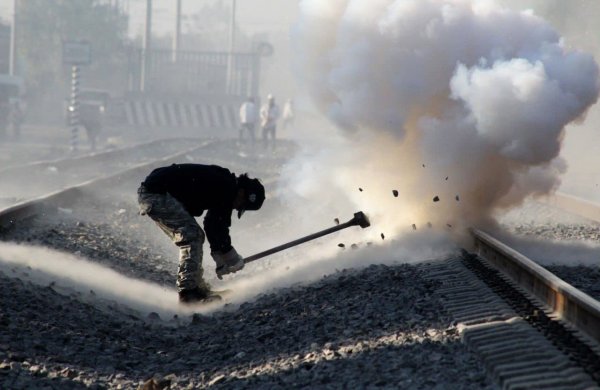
216, 226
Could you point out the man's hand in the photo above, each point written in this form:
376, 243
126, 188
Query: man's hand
227, 263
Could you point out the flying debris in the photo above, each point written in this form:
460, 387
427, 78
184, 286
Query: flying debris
429, 225
337, 221
382, 236
436, 198
446, 177
341, 245
450, 226
414, 226
360, 189
395, 192
458, 126
354, 246
457, 198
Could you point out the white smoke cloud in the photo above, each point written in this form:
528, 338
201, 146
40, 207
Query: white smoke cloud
70, 274
464, 90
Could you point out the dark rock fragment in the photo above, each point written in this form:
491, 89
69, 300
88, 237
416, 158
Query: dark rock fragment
414, 226
395, 192
436, 198
382, 236
337, 221
341, 245
156, 384
153, 316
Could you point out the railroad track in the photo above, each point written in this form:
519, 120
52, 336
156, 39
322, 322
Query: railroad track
132, 173
531, 329
95, 157
61, 198
35, 179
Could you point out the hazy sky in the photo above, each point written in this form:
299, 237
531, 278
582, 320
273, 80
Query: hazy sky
252, 15
6, 10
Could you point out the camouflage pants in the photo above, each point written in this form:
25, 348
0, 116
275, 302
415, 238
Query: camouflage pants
182, 228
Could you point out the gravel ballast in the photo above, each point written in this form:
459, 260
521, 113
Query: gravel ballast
377, 327
380, 326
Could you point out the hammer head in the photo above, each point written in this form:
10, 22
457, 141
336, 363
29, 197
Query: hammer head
361, 220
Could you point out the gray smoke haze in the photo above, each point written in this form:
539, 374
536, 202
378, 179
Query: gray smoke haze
575, 19
70, 274
464, 90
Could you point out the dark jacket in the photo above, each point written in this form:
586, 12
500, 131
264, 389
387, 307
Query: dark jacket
198, 188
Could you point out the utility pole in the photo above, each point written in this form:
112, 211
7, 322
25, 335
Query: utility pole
177, 34
74, 108
146, 47
230, 63
13, 41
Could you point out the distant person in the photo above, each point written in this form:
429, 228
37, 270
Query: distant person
269, 115
90, 117
288, 116
248, 119
172, 196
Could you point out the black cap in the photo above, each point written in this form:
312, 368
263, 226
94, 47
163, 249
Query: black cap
254, 194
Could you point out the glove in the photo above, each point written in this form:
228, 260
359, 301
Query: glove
228, 262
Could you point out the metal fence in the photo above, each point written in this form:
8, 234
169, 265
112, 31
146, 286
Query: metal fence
194, 73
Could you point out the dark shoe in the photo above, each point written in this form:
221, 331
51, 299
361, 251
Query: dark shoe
198, 295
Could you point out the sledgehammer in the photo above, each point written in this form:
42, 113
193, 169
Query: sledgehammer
360, 219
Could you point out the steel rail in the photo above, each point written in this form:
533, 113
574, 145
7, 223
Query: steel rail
566, 302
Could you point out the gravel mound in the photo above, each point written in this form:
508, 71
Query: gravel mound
378, 327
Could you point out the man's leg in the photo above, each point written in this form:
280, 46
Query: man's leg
273, 134
265, 134
182, 228
251, 127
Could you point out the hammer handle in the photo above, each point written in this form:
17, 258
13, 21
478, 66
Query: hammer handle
299, 241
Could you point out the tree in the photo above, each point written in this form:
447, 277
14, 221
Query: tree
45, 24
